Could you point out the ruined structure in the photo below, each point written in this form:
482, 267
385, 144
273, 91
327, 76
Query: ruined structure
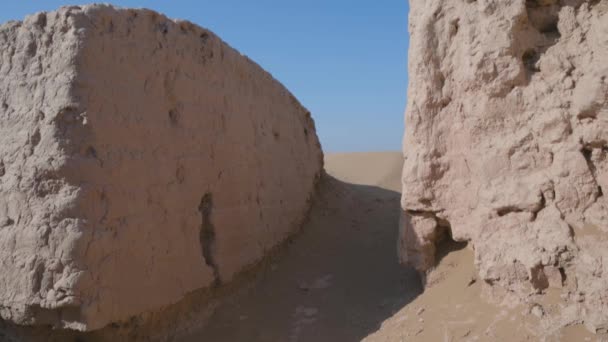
141, 159
506, 146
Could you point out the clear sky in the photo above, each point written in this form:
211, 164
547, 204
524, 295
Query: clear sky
345, 60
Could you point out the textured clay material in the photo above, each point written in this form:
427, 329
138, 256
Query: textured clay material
141, 159
506, 146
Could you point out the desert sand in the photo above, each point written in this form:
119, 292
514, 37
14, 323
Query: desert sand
340, 278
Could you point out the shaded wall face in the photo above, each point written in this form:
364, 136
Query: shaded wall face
190, 162
505, 135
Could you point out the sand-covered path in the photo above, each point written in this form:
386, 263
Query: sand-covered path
339, 279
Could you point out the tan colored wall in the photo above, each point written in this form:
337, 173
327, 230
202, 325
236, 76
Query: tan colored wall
506, 142
187, 162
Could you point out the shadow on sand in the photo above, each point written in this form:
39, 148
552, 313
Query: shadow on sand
338, 280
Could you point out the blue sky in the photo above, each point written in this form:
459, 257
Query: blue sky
345, 60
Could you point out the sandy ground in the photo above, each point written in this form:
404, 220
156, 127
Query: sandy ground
340, 280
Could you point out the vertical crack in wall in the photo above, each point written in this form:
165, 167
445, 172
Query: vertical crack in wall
207, 236
592, 154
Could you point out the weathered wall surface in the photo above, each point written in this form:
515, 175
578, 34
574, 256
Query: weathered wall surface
142, 159
506, 145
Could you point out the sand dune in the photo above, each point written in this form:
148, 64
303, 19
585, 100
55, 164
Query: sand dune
382, 169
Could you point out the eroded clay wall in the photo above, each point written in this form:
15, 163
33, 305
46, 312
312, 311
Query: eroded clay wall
184, 163
505, 146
